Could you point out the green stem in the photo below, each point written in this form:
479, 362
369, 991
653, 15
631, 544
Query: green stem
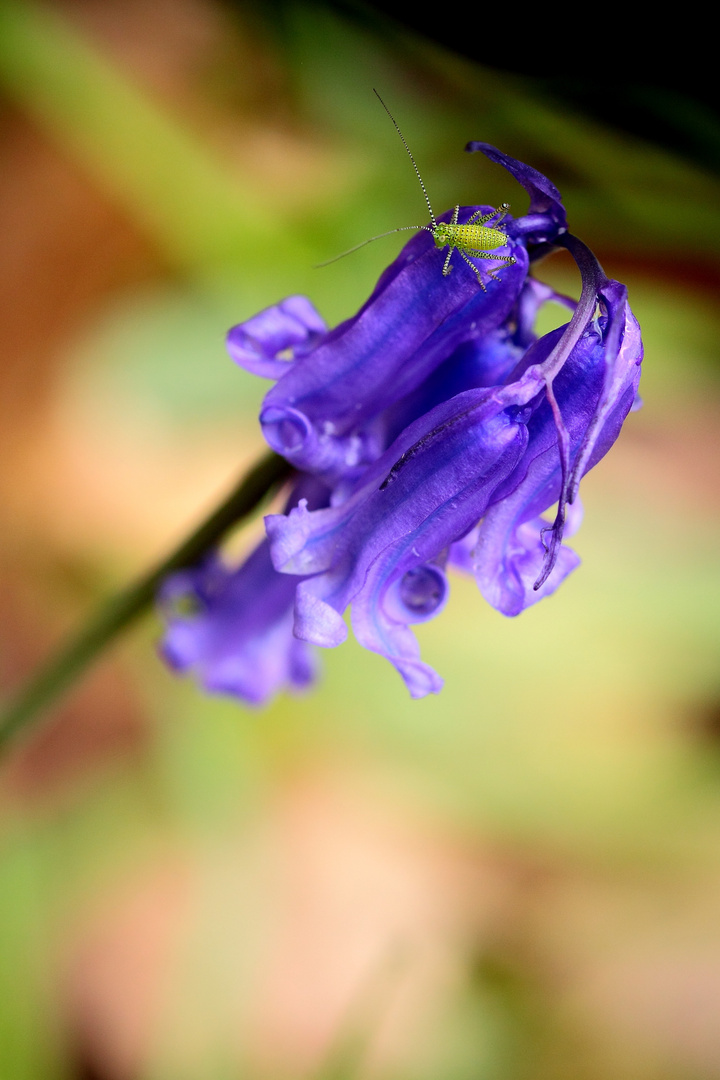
62, 669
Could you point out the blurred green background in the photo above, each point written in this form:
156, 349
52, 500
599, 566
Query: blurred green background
517, 878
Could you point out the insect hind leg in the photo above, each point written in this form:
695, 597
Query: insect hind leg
476, 219
507, 259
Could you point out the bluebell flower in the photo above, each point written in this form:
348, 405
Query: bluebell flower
232, 626
443, 431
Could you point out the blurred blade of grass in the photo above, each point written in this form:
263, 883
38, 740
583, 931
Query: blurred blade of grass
30, 1041
207, 221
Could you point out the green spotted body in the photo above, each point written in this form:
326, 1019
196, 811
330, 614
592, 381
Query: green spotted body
472, 240
468, 237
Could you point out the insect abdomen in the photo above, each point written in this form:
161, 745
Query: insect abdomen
477, 237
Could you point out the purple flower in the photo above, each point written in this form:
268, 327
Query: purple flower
444, 429
519, 557
233, 627
326, 412
383, 549
487, 462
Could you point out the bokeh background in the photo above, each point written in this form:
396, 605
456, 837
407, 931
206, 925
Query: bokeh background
517, 878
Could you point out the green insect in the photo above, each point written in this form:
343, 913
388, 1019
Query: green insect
472, 240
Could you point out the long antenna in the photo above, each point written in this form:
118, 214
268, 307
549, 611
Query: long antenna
417, 171
403, 228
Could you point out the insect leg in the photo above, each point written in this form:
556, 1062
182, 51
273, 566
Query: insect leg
474, 269
477, 220
447, 267
509, 259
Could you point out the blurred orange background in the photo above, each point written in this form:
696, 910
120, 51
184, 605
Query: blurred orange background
517, 878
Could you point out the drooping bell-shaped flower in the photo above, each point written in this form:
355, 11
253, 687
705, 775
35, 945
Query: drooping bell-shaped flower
442, 429
487, 462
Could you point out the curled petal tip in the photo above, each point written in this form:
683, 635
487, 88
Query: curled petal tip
286, 430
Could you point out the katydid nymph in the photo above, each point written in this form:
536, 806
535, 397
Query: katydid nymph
473, 239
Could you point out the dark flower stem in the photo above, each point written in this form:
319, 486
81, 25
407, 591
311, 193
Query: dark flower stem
44, 688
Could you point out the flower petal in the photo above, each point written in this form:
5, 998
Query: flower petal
546, 217
377, 551
608, 355
291, 327
411, 324
234, 628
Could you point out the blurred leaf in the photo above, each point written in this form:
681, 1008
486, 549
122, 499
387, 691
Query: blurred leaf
207, 220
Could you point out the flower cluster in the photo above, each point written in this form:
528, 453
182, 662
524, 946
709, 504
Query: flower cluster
432, 429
